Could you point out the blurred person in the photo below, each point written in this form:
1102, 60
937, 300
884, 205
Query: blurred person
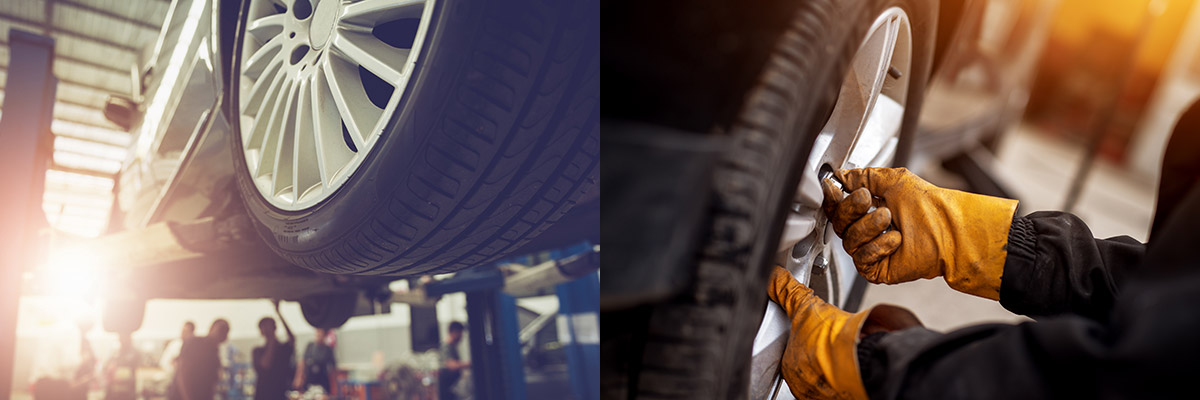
199, 365
1115, 318
273, 360
170, 356
121, 371
318, 367
452, 363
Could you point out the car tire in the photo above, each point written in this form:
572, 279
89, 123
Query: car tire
698, 343
494, 139
329, 311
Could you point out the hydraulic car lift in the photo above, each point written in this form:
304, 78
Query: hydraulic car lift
496, 359
25, 130
495, 347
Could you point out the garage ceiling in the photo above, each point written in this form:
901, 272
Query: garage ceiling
97, 43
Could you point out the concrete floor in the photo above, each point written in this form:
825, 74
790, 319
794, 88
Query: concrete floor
1115, 202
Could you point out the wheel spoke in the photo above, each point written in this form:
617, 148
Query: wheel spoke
262, 117
880, 67
809, 194
263, 58
368, 12
844, 122
266, 28
883, 124
306, 163
366, 50
859, 93
284, 167
798, 227
356, 109
270, 146
259, 90
327, 122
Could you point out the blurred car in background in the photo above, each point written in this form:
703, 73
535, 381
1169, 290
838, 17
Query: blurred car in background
981, 89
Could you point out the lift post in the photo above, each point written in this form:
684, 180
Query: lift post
496, 363
579, 330
25, 131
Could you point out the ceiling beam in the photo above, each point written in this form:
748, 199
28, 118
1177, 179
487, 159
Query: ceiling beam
110, 137
88, 154
91, 87
52, 29
82, 171
67, 134
84, 7
88, 158
99, 108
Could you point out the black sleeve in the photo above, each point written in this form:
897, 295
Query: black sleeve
1148, 349
1056, 266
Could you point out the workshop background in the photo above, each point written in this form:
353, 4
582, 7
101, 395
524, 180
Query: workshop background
1111, 80
101, 53
1107, 82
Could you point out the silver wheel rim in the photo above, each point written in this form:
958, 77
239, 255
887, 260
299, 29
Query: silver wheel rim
319, 81
863, 130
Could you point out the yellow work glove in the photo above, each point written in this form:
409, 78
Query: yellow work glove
821, 359
933, 231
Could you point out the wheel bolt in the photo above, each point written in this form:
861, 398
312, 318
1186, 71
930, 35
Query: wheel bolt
820, 263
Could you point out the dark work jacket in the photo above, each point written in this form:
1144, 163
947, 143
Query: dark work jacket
1113, 318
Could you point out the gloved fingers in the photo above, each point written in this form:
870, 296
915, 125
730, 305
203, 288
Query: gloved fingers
851, 208
833, 196
866, 229
876, 180
875, 252
785, 290
873, 272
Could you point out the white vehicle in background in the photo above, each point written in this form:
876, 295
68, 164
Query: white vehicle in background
314, 150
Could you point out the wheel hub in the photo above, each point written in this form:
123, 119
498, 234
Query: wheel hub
322, 23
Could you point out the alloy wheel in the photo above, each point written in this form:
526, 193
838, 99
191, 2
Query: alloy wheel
862, 131
319, 82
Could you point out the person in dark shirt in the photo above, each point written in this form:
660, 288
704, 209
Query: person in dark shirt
1113, 318
121, 371
170, 357
319, 364
273, 360
452, 363
200, 363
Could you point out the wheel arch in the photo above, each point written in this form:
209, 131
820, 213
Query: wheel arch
224, 31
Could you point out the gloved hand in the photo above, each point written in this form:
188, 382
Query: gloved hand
934, 231
821, 358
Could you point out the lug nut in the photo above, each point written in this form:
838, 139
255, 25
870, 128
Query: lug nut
820, 263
